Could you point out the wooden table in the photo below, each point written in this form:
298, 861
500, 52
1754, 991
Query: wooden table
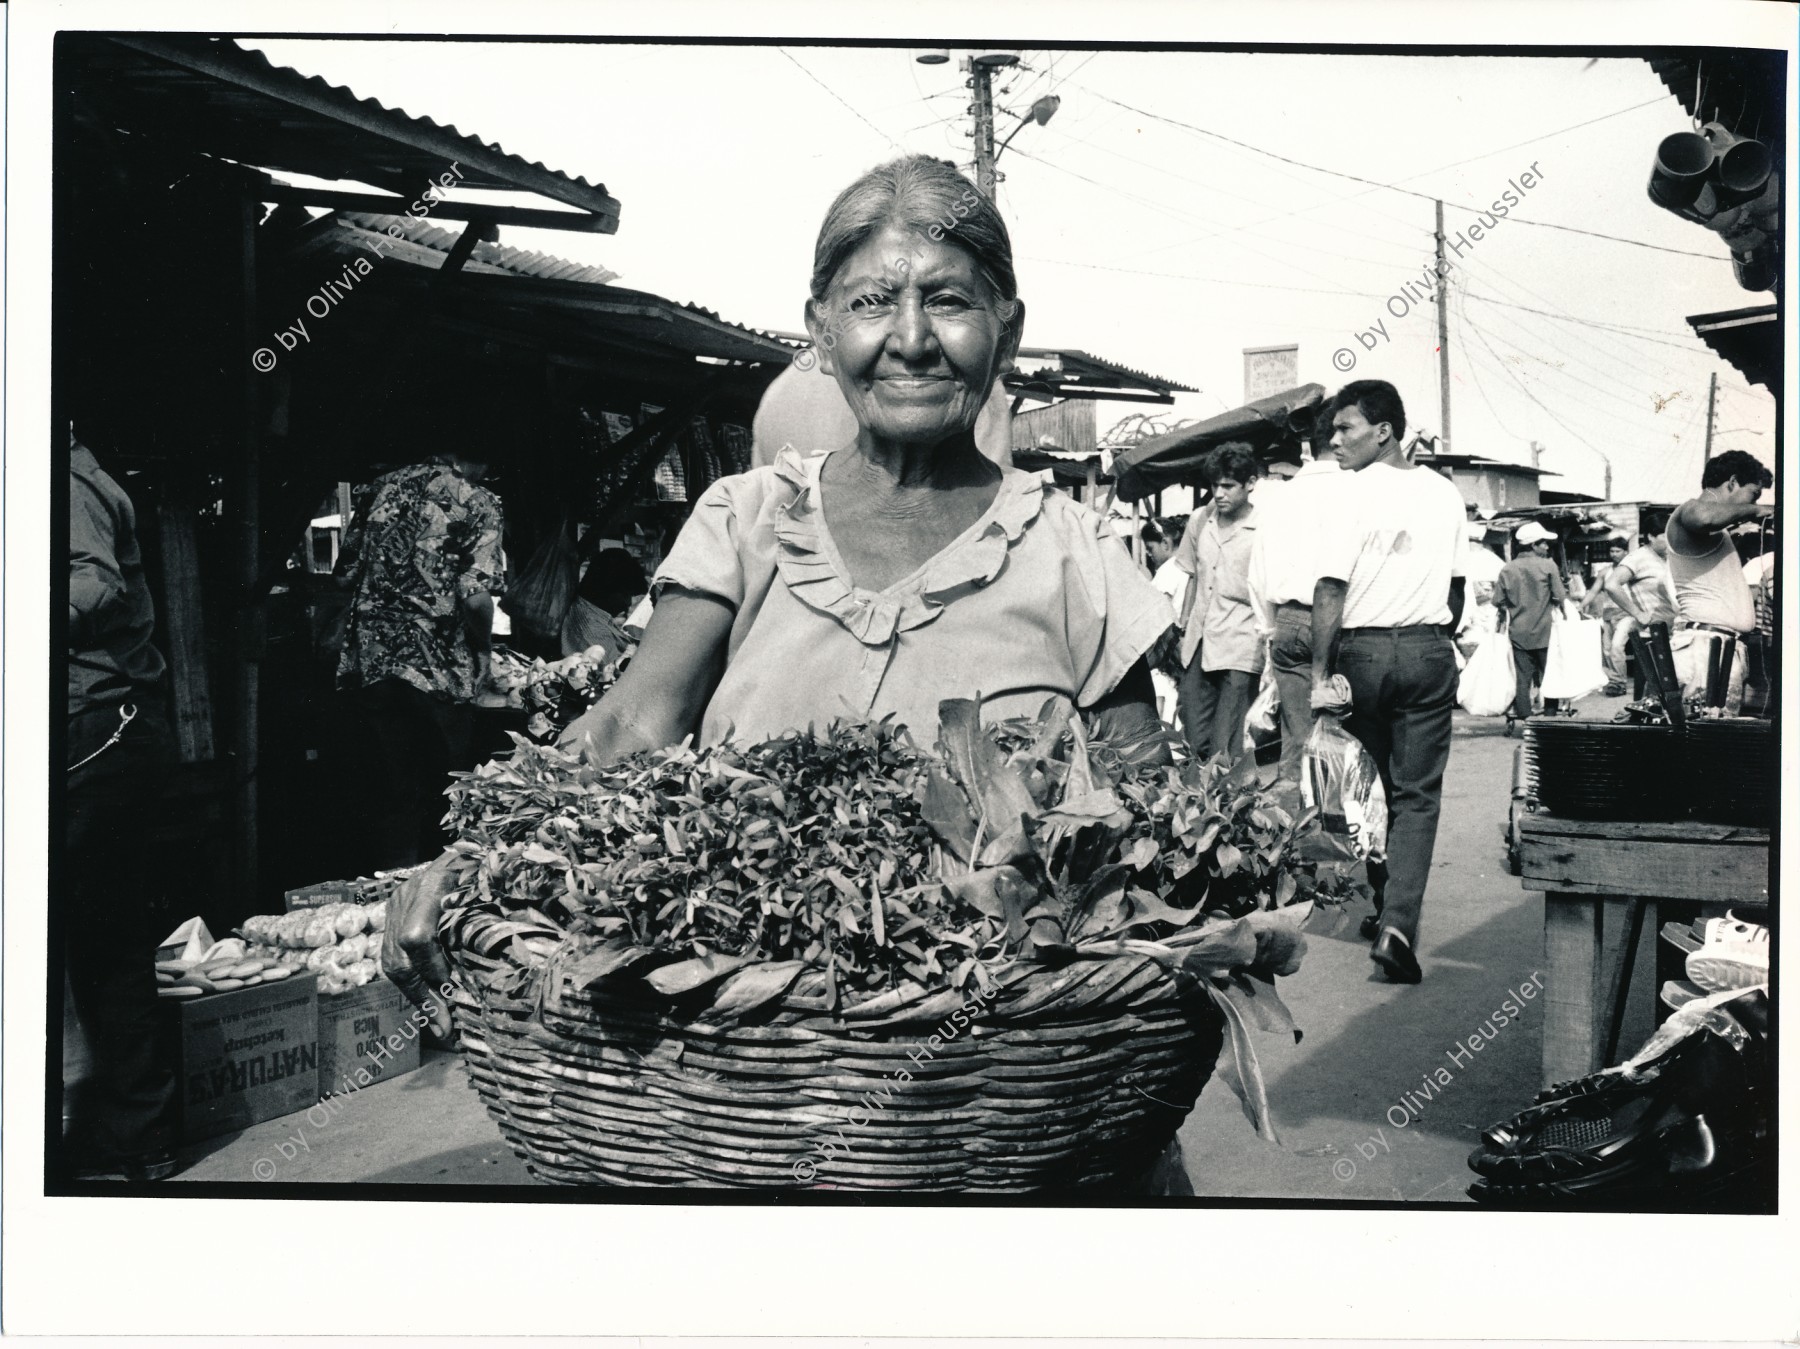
1585, 868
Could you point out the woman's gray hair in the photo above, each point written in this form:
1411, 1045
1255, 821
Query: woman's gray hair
923, 194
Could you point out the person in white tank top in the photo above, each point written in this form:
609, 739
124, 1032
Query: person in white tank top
1712, 599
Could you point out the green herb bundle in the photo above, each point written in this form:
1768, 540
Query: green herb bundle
853, 852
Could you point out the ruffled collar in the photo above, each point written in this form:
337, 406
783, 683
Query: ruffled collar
812, 570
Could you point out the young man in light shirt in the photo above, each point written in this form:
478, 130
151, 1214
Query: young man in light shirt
1284, 568
1390, 593
1221, 650
1640, 587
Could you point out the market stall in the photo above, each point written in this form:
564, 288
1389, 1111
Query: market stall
1274, 427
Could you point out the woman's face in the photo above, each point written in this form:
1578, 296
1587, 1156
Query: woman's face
914, 337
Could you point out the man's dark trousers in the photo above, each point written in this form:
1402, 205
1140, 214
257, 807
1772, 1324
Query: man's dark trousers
1290, 656
413, 742
1403, 689
1212, 705
1529, 662
111, 923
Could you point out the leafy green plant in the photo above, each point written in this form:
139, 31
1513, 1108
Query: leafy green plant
890, 874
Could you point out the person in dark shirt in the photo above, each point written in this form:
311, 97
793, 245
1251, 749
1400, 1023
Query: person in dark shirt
123, 1126
1528, 586
612, 582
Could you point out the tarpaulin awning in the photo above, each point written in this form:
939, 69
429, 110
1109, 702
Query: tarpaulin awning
1272, 426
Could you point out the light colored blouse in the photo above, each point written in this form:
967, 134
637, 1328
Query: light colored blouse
1035, 599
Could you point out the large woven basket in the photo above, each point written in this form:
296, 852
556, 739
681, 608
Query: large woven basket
1076, 1077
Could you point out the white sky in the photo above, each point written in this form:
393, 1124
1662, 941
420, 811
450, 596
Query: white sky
1163, 248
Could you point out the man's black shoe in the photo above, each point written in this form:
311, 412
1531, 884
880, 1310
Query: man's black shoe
1395, 957
1370, 927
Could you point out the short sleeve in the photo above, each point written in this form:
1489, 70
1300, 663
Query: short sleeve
1126, 614
1186, 556
706, 556
1459, 537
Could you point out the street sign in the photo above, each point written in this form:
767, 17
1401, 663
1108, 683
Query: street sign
1269, 370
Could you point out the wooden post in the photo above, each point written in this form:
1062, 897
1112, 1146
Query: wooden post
184, 621
1712, 399
250, 618
1443, 318
1574, 931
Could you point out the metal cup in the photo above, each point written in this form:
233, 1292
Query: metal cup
1683, 162
1741, 167
1754, 271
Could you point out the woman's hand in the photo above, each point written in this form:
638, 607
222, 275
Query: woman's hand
410, 955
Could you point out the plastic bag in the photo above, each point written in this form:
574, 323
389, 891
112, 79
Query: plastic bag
1262, 723
1576, 665
1339, 778
539, 599
1490, 682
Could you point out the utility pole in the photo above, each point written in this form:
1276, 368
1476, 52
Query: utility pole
1712, 397
982, 81
1443, 308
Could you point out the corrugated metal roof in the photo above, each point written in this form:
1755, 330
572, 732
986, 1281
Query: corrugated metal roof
1744, 89
549, 286
214, 96
1070, 366
497, 257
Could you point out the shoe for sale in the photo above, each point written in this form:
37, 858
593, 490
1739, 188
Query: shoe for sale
1732, 954
1699, 1111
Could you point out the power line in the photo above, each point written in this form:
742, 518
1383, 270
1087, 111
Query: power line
1407, 191
1475, 371
1632, 359
1238, 196
1635, 406
1179, 215
1634, 367
1211, 280
1620, 330
834, 93
1507, 371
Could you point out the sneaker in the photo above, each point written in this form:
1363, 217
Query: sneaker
1732, 954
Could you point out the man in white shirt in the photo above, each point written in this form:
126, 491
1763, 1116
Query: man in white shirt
1712, 599
1284, 568
1390, 593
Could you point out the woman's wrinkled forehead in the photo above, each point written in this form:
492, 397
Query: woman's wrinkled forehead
895, 257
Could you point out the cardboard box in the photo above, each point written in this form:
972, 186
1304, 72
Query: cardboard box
325, 892
363, 1029
248, 1055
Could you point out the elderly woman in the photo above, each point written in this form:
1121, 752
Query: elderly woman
896, 571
